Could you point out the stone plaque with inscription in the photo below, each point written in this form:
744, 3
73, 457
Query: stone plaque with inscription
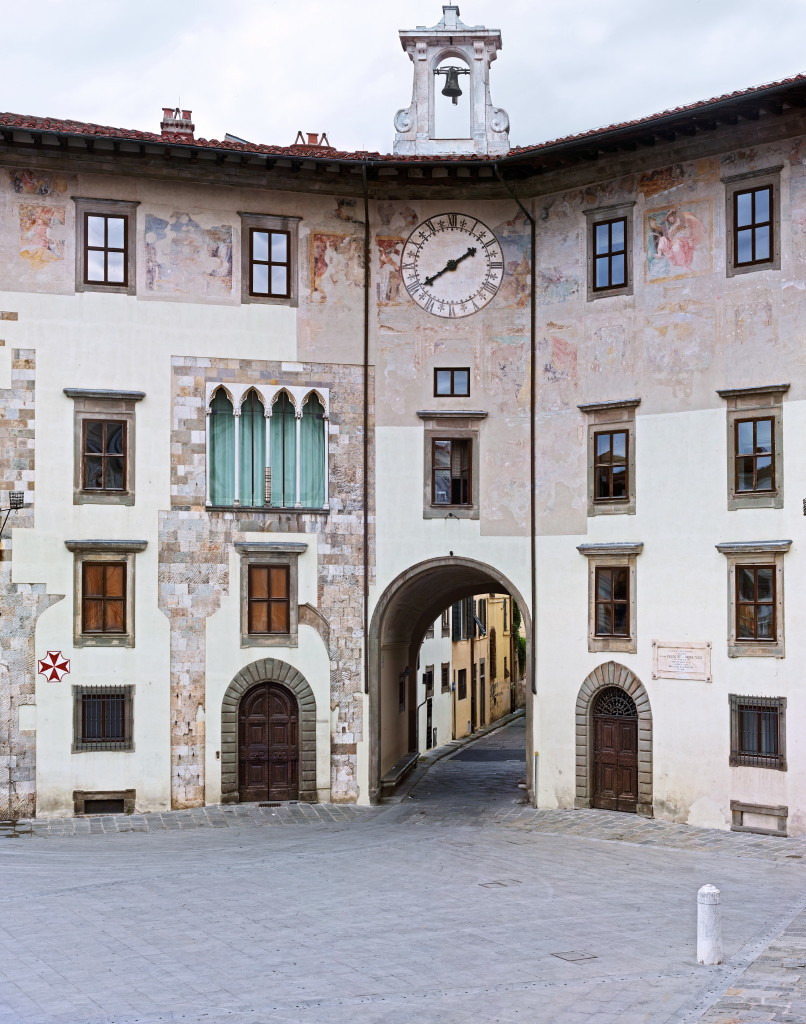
690, 660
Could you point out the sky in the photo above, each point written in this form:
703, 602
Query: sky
264, 69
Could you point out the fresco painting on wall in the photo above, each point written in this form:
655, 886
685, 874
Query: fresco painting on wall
335, 259
390, 281
183, 258
678, 240
25, 181
560, 360
41, 234
661, 180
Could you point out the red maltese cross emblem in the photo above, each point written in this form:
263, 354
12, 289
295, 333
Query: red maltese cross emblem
54, 666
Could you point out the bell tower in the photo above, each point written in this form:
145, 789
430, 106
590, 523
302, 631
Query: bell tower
476, 47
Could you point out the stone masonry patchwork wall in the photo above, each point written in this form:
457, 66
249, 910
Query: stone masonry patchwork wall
21, 604
194, 560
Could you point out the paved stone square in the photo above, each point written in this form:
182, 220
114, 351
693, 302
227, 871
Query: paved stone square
458, 905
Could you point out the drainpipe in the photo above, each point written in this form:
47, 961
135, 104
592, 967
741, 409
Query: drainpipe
365, 469
532, 429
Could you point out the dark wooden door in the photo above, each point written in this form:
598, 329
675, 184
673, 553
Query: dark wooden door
615, 763
268, 745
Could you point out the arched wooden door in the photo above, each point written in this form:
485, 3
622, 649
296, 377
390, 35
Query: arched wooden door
268, 744
615, 751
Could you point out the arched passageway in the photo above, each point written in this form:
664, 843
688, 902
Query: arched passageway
406, 609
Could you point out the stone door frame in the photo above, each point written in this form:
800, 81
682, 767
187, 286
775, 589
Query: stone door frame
268, 670
602, 677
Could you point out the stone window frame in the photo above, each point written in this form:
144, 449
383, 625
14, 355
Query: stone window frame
104, 551
109, 208
601, 215
278, 553
80, 745
613, 555
455, 425
745, 552
755, 403
117, 406
738, 759
270, 222
603, 417
738, 183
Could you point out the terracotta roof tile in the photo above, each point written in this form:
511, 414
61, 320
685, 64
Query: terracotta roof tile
60, 126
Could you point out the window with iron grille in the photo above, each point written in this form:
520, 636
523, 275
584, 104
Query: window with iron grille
103, 718
611, 465
103, 455
757, 731
613, 601
753, 226
451, 460
428, 680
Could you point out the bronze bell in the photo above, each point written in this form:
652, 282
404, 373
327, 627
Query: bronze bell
452, 85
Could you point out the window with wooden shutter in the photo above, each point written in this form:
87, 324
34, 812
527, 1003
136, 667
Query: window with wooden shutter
103, 597
269, 599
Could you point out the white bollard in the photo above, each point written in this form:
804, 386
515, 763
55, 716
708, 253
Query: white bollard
709, 926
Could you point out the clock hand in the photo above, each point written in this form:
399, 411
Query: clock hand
450, 265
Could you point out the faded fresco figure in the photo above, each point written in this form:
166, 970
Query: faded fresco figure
41, 234
674, 237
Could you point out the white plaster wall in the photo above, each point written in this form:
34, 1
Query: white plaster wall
434, 651
682, 595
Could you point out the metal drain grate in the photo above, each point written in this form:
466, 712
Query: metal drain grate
276, 803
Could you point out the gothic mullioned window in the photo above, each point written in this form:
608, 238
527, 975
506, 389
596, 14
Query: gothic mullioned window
267, 447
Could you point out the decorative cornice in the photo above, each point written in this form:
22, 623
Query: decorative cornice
116, 546
273, 547
104, 395
624, 403
770, 389
745, 175
615, 548
754, 547
451, 414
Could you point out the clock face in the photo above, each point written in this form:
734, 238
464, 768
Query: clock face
452, 265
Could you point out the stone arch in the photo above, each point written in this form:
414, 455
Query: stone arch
268, 670
612, 674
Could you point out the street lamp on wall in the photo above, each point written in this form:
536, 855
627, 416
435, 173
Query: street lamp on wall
16, 501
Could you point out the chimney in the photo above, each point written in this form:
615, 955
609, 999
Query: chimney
173, 124
312, 140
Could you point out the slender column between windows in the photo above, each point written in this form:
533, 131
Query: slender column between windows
236, 412
208, 454
326, 428
267, 460
298, 424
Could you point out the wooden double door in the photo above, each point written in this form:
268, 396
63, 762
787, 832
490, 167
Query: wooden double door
268, 744
615, 753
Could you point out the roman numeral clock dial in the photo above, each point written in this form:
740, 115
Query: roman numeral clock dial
452, 265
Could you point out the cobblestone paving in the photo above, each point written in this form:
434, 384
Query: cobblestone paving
459, 905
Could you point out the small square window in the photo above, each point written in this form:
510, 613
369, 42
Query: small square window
752, 201
452, 382
104, 446
611, 466
609, 250
451, 471
755, 446
269, 257
755, 597
269, 263
612, 596
103, 718
757, 732
105, 251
